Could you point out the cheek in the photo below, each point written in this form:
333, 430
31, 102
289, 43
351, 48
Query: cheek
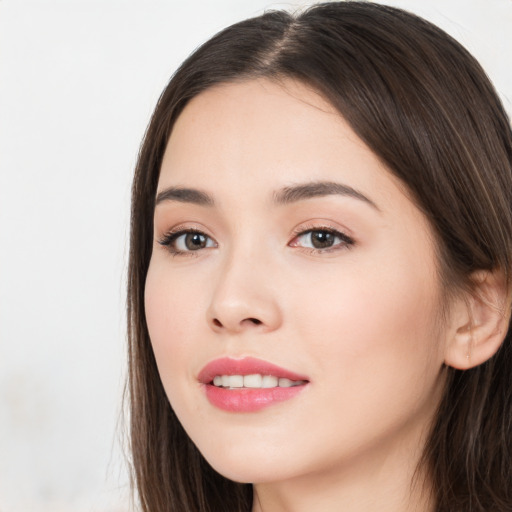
374, 326
378, 352
171, 314
365, 301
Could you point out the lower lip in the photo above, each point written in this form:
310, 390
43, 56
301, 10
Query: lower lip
247, 399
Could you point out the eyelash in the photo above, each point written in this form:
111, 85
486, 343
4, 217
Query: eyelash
345, 241
168, 240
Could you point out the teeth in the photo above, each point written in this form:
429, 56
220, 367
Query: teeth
285, 383
269, 381
236, 381
255, 381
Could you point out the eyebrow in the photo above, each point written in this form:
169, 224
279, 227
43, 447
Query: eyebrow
286, 195
185, 195
300, 192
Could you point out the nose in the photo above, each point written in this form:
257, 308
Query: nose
244, 298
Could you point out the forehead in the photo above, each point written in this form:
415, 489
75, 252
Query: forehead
252, 136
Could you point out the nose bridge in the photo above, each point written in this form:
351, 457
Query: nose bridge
244, 296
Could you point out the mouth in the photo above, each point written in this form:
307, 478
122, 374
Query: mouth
249, 384
254, 381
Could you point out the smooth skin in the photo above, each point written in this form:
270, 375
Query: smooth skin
341, 286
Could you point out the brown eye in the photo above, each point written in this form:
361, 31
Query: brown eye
322, 239
194, 241
319, 239
186, 242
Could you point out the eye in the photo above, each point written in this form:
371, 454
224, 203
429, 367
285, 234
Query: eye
321, 239
186, 241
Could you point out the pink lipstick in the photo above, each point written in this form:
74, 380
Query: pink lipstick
249, 384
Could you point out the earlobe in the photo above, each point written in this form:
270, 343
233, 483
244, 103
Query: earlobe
480, 321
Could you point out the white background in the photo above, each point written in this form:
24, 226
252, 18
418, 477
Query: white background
78, 81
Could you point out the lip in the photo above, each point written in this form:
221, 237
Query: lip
245, 366
247, 399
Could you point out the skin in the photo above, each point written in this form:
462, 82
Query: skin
360, 320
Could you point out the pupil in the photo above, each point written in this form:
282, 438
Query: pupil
194, 241
322, 239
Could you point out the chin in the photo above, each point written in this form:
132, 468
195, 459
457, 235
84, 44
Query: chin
248, 473
245, 466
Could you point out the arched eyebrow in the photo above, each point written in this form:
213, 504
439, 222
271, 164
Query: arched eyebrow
304, 191
286, 195
185, 195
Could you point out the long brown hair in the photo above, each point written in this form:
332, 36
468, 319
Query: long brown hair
425, 107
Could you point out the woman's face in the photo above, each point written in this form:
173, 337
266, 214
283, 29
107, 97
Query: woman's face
284, 249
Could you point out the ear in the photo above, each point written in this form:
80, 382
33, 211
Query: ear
479, 322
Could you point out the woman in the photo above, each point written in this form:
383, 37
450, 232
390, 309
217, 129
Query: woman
319, 284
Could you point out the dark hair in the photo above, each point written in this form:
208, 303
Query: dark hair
425, 107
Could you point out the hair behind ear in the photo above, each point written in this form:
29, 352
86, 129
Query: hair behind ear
470, 446
469, 449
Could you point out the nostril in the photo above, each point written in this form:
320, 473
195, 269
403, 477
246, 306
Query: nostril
217, 323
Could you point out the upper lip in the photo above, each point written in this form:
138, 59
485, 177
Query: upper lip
245, 366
